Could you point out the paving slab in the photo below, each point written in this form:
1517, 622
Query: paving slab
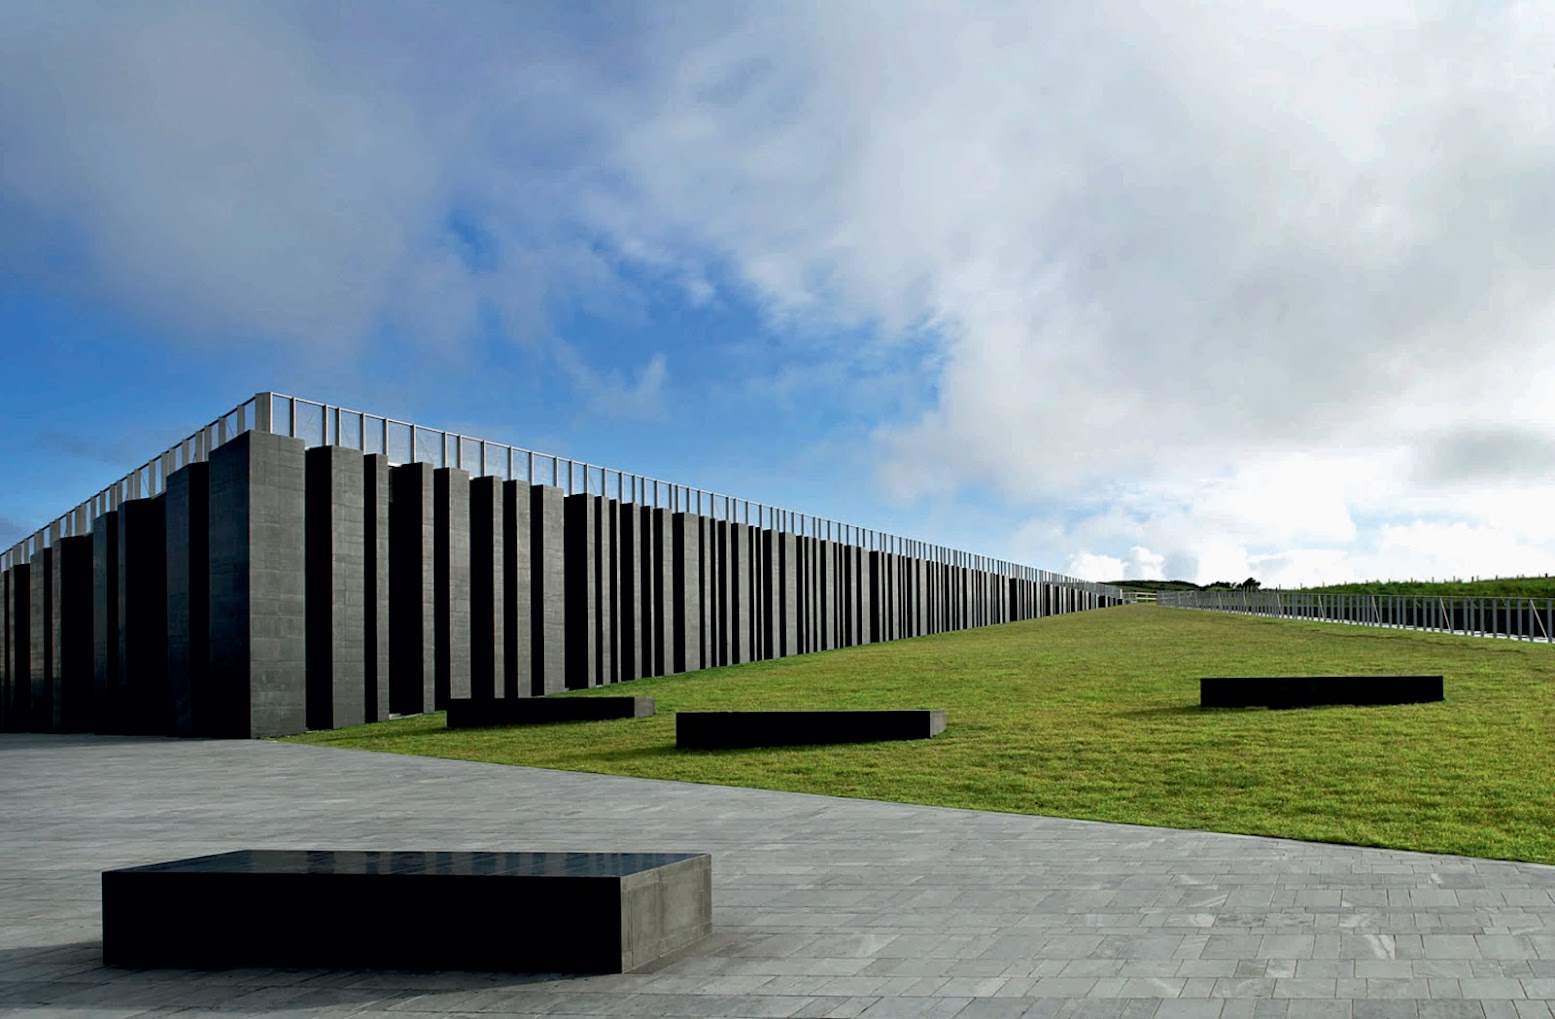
822, 906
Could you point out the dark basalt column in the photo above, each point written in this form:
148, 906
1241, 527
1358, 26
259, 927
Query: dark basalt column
666, 606
336, 587
488, 588
863, 572
741, 569
583, 574
72, 634
258, 538
412, 609
718, 592
375, 579
189, 599
630, 604
18, 628
143, 616
108, 703
518, 593
39, 623
548, 561
451, 584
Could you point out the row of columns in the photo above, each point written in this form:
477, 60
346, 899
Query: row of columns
274, 589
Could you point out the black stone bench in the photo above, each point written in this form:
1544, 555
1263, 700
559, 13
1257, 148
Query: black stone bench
519, 912
466, 713
1312, 691
725, 730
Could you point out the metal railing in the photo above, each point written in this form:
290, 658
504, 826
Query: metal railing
144, 482
321, 424
1512, 618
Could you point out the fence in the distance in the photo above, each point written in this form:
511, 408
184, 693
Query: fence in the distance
1512, 618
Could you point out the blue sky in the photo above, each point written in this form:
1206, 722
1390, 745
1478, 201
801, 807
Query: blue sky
1203, 291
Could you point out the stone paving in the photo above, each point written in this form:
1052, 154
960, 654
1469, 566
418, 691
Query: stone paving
822, 906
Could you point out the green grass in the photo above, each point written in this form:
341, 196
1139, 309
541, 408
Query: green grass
1095, 715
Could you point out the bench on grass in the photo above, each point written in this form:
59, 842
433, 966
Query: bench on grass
1311, 691
468, 713
517, 912
724, 730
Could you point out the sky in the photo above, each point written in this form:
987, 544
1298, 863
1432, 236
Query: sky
1185, 290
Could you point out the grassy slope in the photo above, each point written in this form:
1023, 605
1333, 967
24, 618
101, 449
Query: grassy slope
1095, 716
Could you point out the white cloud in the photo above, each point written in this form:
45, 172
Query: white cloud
613, 394
1248, 285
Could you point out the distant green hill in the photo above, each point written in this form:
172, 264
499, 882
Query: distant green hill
1487, 587
1155, 585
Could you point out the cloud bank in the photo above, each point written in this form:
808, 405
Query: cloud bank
1201, 290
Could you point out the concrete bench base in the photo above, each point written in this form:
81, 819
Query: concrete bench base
464, 713
723, 730
1311, 691
518, 912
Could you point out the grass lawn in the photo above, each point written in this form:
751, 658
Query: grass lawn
1095, 715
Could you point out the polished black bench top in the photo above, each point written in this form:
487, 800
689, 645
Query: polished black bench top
400, 862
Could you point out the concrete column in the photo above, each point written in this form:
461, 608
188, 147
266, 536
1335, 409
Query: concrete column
741, 569
39, 621
785, 595
108, 697
517, 592
18, 629
488, 588
583, 574
189, 599
608, 520
412, 605
686, 589
71, 634
336, 584
258, 537
375, 594
451, 583
143, 615
549, 597
805, 595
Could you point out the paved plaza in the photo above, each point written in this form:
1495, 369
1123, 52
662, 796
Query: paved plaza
822, 906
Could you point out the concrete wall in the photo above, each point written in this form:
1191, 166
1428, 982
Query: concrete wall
273, 589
